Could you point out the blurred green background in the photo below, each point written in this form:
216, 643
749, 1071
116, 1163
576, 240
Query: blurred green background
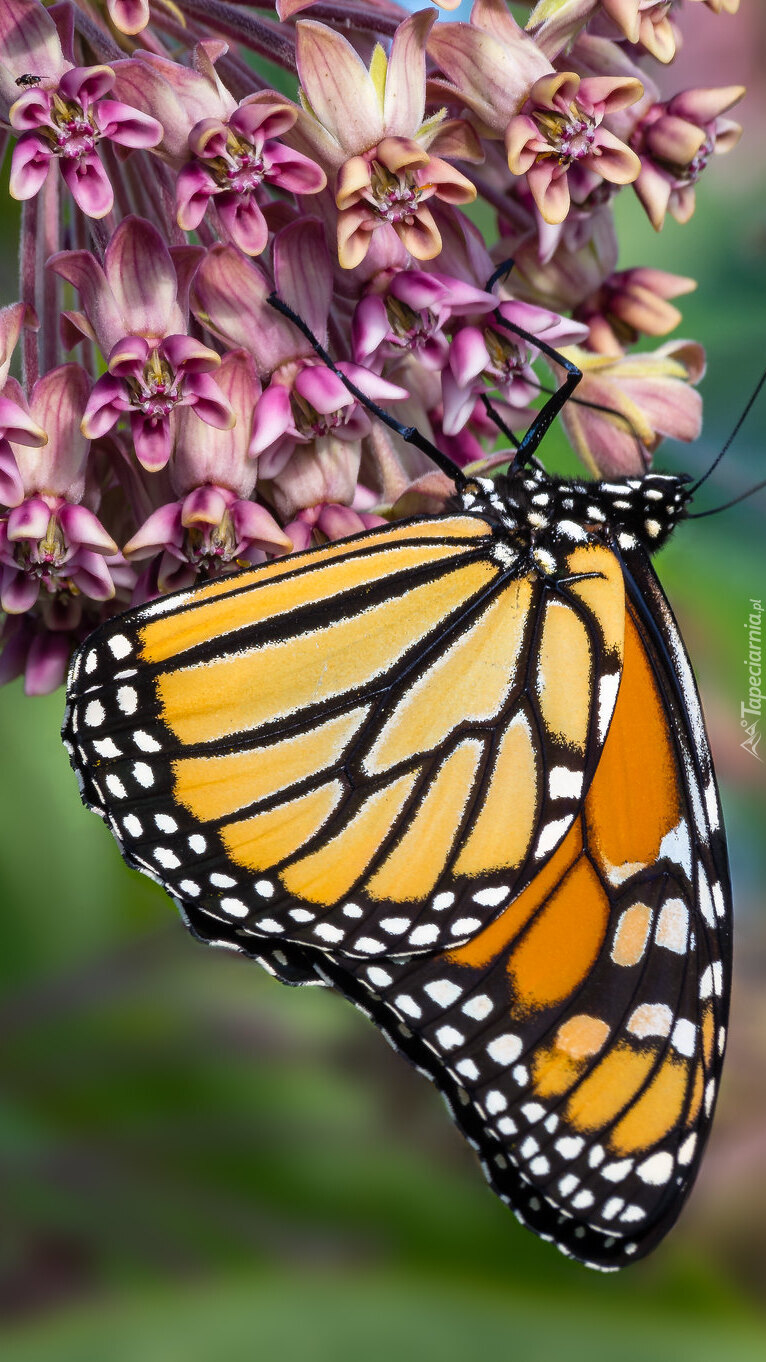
195, 1160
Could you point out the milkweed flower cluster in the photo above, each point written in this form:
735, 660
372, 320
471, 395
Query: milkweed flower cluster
160, 422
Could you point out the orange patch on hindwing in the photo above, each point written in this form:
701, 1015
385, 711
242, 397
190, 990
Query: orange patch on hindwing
635, 799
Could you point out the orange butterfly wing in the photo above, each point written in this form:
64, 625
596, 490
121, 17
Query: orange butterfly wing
370, 748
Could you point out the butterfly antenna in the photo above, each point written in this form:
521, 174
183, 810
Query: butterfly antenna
501, 272
497, 420
530, 442
409, 433
608, 411
743, 496
743, 417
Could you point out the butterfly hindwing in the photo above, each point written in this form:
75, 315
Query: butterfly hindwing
370, 748
579, 1038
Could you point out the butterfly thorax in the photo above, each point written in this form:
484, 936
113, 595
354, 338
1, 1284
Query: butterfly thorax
537, 511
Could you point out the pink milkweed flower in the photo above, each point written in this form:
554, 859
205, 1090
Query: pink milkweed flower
636, 400
629, 304
408, 313
368, 126
135, 309
645, 23
328, 521
234, 156
129, 16
51, 543
223, 152
491, 356
214, 526
675, 141
305, 402
16, 424
63, 117
562, 127
490, 64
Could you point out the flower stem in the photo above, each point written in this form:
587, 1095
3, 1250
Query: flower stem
49, 286
256, 34
30, 359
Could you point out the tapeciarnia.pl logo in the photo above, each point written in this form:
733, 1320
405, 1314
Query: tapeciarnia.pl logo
751, 709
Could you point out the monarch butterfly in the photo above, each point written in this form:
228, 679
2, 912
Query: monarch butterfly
457, 769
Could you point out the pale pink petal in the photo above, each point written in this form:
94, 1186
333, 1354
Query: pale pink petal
18, 425
338, 86
127, 126
405, 97
13, 319
129, 16
523, 144
29, 43
369, 327
142, 278
162, 527
242, 221
81, 526
152, 440
493, 76
57, 403
91, 575
88, 183
128, 357
704, 105
204, 506
292, 171
85, 84
421, 237
81, 269
458, 403
615, 162
468, 355
257, 121
550, 190
29, 520
254, 525
206, 454
303, 272
11, 485
19, 592
352, 178
674, 140
47, 663
229, 295
323, 389
188, 355
355, 228
195, 187
653, 189
31, 111
607, 94
202, 393
372, 385
30, 163
106, 404
272, 418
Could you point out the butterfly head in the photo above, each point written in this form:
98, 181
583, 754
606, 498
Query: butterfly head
532, 507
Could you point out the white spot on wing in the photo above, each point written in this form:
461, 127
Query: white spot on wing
564, 784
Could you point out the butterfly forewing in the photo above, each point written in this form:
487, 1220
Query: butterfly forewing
370, 749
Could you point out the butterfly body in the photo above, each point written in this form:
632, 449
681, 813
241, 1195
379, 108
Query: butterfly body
456, 768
